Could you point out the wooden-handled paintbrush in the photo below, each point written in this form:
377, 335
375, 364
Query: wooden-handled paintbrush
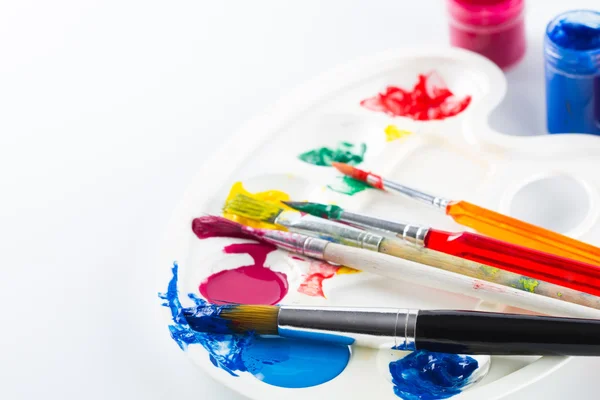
492, 252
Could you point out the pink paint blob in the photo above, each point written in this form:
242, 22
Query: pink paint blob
249, 284
429, 99
492, 28
312, 285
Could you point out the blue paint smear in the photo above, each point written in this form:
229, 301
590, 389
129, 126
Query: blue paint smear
574, 34
276, 361
224, 349
424, 375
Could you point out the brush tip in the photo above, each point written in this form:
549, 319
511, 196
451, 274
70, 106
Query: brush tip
328, 211
255, 209
214, 226
343, 168
260, 319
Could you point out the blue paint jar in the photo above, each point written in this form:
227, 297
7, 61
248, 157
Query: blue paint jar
572, 54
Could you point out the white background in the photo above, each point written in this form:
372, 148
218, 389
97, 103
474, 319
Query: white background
107, 110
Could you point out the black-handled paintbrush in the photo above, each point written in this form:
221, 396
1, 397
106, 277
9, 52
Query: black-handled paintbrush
445, 331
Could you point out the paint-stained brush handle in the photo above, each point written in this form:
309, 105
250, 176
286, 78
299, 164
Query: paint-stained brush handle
518, 259
457, 275
512, 230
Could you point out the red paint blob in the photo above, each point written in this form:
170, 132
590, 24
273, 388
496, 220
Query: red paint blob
317, 273
429, 99
249, 284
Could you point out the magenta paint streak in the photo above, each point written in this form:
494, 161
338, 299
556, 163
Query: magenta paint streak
249, 284
297, 258
210, 226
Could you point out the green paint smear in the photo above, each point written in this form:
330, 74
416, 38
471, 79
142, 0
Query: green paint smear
559, 294
528, 284
349, 186
318, 210
345, 152
489, 271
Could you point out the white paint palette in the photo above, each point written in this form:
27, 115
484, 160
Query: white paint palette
551, 181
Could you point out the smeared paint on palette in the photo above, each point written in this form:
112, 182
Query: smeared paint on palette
248, 284
393, 133
348, 186
276, 361
345, 152
424, 375
292, 363
429, 99
318, 271
270, 196
255, 283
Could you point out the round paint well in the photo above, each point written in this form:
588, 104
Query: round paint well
245, 285
294, 363
248, 284
559, 203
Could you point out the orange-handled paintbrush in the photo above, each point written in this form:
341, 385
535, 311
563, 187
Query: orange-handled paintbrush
486, 221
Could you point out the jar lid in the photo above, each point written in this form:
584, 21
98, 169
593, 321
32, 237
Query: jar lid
572, 42
485, 12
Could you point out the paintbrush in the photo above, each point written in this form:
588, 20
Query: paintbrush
452, 274
491, 252
445, 331
486, 221
551, 268
258, 210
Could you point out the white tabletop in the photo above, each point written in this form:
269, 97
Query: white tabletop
107, 109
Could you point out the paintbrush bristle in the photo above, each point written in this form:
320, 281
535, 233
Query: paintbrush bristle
328, 211
261, 320
245, 206
213, 226
343, 168
358, 174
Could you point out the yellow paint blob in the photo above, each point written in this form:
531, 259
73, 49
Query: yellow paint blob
347, 271
393, 133
269, 196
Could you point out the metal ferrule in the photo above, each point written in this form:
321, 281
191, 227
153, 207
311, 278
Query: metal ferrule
380, 328
413, 234
329, 230
438, 202
296, 243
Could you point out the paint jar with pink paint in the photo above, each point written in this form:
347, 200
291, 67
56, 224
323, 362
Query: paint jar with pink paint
492, 28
